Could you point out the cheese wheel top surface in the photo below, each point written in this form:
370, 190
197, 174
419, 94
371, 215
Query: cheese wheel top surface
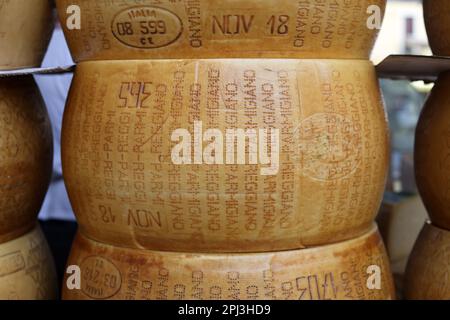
355, 269
25, 30
27, 270
161, 29
225, 155
26, 155
427, 274
432, 153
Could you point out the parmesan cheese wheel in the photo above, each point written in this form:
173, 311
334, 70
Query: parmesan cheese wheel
437, 23
25, 30
432, 153
27, 271
225, 155
26, 155
162, 29
428, 271
355, 269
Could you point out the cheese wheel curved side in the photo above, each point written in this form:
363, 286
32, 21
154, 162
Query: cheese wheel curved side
428, 272
25, 30
26, 155
151, 157
340, 271
436, 15
220, 29
27, 270
432, 153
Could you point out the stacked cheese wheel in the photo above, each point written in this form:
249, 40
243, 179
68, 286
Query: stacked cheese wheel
436, 14
428, 269
26, 150
205, 173
432, 155
25, 30
427, 275
27, 271
26, 153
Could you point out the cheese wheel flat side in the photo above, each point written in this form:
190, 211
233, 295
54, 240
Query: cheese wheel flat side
26, 155
339, 271
165, 29
432, 153
27, 270
25, 30
428, 272
437, 15
151, 157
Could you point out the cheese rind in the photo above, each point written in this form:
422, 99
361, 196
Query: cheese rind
339, 271
320, 180
437, 15
25, 30
194, 29
427, 273
26, 155
432, 153
27, 270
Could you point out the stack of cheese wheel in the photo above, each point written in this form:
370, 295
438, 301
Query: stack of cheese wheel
25, 30
432, 167
26, 150
26, 153
196, 176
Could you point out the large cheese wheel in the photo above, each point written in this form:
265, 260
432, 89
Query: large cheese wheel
151, 158
129, 29
437, 22
26, 155
432, 153
428, 272
355, 269
27, 270
25, 30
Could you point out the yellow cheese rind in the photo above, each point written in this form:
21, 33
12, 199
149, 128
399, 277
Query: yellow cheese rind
27, 270
432, 153
427, 273
25, 30
437, 15
338, 271
166, 29
126, 189
26, 155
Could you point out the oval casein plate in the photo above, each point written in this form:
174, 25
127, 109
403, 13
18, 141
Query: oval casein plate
146, 27
101, 278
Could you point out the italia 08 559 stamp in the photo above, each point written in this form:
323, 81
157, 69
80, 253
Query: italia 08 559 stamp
146, 27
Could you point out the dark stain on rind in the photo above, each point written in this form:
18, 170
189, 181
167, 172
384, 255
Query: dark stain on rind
166, 43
